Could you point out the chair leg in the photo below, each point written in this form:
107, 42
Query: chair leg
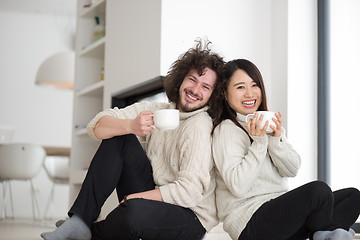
7, 184
50, 203
3, 209
35, 205
11, 200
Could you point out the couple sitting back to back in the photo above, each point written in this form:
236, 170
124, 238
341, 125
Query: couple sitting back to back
167, 190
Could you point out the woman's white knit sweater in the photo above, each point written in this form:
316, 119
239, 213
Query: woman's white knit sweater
249, 174
181, 159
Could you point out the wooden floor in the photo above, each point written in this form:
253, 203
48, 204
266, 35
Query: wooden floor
23, 229
27, 229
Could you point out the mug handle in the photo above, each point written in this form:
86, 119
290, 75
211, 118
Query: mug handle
153, 126
249, 116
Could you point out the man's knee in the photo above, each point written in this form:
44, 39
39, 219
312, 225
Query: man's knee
132, 214
129, 141
122, 138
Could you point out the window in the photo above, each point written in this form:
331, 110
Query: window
344, 79
344, 93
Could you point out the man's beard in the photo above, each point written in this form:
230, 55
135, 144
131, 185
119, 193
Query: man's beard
190, 106
187, 107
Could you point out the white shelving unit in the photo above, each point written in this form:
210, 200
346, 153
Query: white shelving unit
88, 90
128, 54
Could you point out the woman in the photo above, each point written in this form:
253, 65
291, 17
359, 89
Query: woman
252, 166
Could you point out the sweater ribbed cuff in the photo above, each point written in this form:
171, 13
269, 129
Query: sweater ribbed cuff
165, 194
260, 142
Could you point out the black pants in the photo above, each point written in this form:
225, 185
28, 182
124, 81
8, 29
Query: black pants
120, 163
297, 214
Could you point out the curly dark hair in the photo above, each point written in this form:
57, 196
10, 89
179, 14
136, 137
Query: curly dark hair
199, 58
226, 73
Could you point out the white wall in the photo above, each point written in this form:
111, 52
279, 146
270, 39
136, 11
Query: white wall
39, 115
277, 91
132, 44
302, 86
237, 29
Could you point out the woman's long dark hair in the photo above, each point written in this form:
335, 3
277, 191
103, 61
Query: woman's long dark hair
227, 72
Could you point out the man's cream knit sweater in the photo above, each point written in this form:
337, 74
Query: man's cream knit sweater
246, 176
181, 159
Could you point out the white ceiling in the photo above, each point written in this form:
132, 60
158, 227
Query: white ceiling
52, 7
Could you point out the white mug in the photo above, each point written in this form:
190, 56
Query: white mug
268, 115
166, 119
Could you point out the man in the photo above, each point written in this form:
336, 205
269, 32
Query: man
167, 191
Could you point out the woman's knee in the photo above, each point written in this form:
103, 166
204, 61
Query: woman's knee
321, 191
355, 194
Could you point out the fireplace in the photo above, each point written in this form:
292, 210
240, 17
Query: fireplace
150, 90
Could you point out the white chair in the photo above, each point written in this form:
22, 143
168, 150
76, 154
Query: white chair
6, 134
57, 169
20, 162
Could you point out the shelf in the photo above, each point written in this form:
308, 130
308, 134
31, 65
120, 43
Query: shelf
81, 132
95, 90
97, 8
88, 92
95, 49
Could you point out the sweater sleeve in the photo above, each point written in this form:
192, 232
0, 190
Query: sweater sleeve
238, 162
129, 112
283, 155
194, 179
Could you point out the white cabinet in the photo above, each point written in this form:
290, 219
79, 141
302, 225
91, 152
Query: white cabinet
128, 55
88, 89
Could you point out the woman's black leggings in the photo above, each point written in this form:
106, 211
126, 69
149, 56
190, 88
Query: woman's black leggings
120, 163
299, 213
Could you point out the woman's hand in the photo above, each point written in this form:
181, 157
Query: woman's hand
142, 124
276, 130
254, 126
